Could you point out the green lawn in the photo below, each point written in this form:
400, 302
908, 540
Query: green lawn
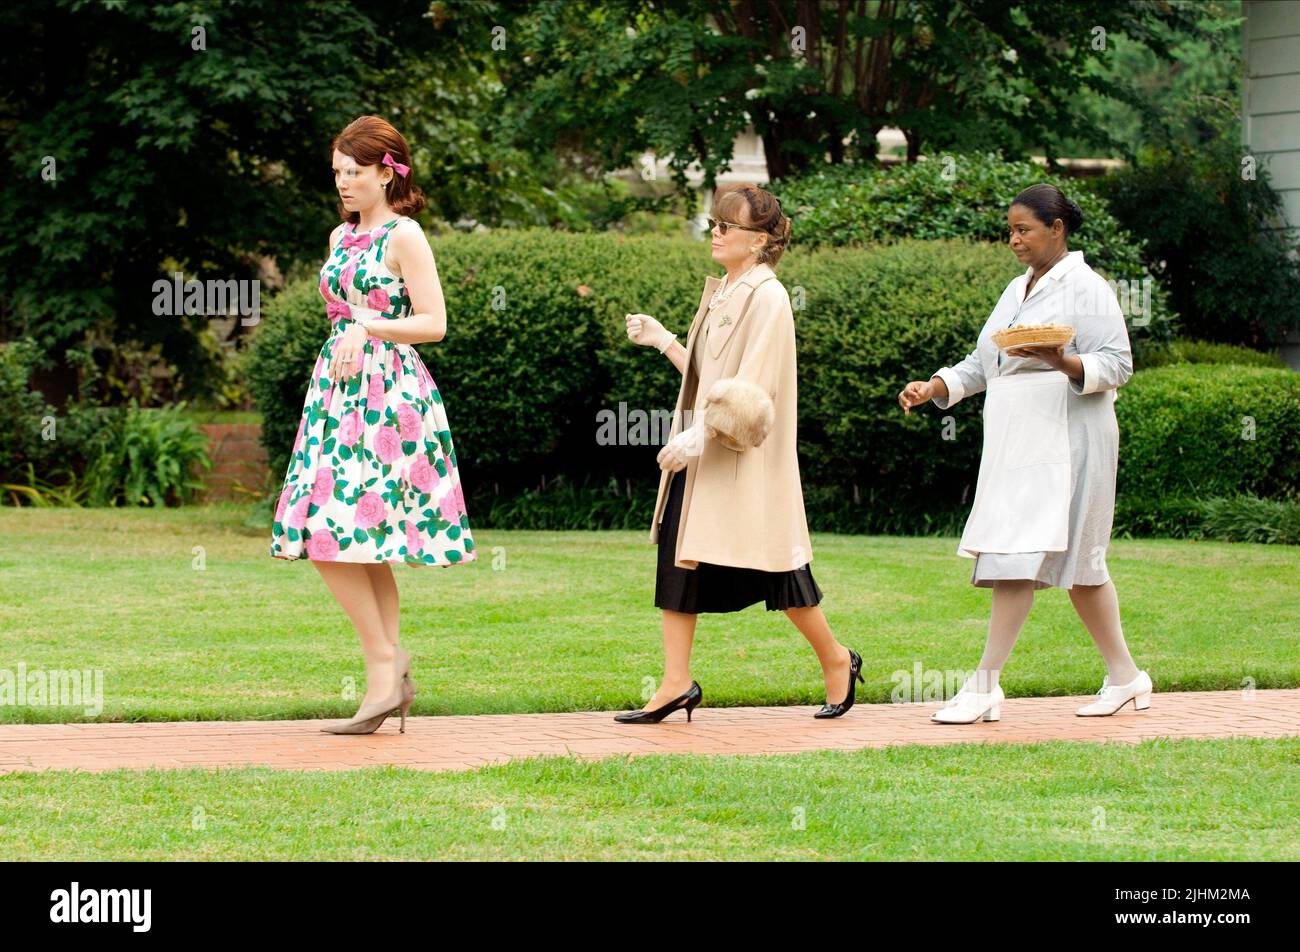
1160, 800
565, 621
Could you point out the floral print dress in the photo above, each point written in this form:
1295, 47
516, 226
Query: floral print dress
373, 473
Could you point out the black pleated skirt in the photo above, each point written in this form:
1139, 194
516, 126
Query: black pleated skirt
721, 588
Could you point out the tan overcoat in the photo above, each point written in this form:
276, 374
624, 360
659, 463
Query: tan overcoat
742, 507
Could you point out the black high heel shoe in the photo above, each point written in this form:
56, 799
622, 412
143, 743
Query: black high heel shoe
690, 700
855, 671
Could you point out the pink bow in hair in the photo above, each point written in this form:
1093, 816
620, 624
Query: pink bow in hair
397, 167
337, 310
357, 241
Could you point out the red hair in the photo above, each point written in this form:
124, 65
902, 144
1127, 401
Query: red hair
366, 140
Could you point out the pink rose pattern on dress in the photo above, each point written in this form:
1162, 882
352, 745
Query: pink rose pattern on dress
322, 547
375, 391
350, 428
408, 421
423, 476
373, 474
388, 445
323, 486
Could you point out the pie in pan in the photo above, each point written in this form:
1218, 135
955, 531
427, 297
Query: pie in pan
1033, 335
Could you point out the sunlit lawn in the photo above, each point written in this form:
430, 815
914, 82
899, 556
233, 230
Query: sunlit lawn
1190, 799
565, 621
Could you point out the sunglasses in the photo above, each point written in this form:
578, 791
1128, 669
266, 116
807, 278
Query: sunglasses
722, 226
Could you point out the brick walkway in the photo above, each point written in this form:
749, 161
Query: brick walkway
465, 742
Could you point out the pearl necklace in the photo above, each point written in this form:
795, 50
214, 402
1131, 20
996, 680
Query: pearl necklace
724, 291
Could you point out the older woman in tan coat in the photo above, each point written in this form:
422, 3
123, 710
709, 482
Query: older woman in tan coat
729, 519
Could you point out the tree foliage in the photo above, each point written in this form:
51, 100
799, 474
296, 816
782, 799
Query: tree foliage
683, 79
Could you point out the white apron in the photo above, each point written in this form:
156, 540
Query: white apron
1022, 499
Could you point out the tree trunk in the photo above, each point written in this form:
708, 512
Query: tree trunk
778, 163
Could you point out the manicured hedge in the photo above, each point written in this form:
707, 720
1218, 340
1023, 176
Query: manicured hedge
963, 197
536, 348
1184, 351
876, 319
1191, 432
535, 341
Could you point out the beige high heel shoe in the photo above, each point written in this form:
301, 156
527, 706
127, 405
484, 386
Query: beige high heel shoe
404, 662
369, 717
408, 695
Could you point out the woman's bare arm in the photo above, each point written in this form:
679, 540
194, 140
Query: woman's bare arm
411, 258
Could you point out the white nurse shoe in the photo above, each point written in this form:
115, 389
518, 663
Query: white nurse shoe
1112, 697
967, 707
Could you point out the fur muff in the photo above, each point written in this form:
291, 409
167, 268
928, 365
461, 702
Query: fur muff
738, 413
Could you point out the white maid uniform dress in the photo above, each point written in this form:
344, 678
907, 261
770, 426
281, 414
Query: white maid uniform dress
1045, 499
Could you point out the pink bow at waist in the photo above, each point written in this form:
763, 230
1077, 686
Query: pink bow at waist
343, 311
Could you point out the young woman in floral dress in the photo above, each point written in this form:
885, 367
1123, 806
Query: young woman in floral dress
373, 478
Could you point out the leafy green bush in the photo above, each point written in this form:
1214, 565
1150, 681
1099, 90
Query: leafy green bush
109, 456
1191, 432
535, 344
49, 457
1183, 351
1242, 518
1212, 239
571, 504
874, 319
1251, 519
537, 347
960, 197
25, 411
1175, 516
89, 442
153, 460
279, 362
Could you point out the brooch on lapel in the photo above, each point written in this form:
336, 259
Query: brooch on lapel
726, 319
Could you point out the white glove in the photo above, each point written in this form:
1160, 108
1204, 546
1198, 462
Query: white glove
682, 447
645, 330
